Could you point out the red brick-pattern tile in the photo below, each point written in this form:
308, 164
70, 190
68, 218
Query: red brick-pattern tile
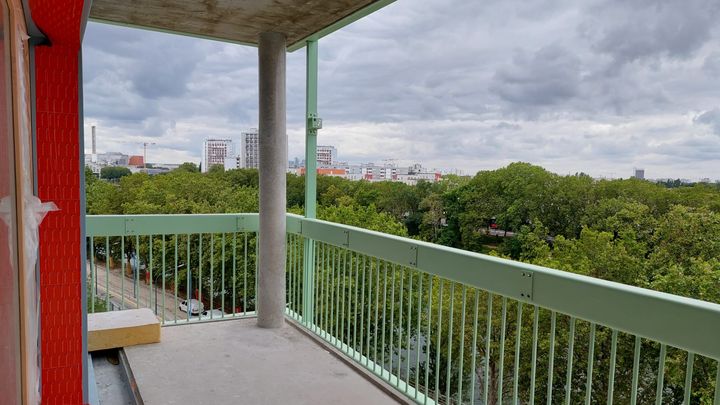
58, 155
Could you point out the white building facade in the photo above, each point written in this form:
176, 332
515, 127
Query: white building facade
249, 156
215, 152
326, 155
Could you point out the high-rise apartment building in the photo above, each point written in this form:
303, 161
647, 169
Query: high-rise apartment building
249, 156
639, 174
215, 151
326, 155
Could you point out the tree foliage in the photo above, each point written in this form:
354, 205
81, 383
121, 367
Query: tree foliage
660, 236
114, 172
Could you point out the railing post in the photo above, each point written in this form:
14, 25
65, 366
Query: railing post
312, 124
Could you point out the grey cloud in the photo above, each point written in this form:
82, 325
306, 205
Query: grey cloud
711, 65
548, 77
452, 83
507, 125
634, 30
710, 118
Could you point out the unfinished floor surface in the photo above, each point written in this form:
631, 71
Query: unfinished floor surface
234, 362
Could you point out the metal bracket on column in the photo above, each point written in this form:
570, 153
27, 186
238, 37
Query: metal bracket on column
314, 123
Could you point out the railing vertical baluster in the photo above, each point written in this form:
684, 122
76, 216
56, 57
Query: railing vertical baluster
533, 365
163, 278
462, 345
328, 292
200, 268
377, 312
150, 269
234, 274
636, 371
188, 280
611, 372
488, 334
343, 297
297, 271
369, 321
305, 281
322, 275
93, 273
290, 264
661, 375
331, 292
122, 272
428, 336
291, 307
222, 279
551, 357
571, 346
688, 378
591, 359
448, 366
212, 272
245, 263
317, 274
717, 384
384, 318
417, 335
107, 273
517, 352
400, 326
439, 339
501, 354
257, 264
136, 287
355, 300
474, 347
362, 308
336, 285
408, 337
175, 280
392, 320
317, 263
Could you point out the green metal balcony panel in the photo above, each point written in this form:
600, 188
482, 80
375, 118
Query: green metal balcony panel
126, 225
237, 21
105, 225
661, 317
685, 323
294, 224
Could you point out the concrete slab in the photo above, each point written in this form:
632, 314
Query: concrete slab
232, 362
233, 20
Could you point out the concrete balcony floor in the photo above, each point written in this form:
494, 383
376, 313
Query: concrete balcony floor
234, 361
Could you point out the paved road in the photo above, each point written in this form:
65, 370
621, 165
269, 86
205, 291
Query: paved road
122, 293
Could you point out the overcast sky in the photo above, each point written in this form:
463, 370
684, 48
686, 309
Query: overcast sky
594, 86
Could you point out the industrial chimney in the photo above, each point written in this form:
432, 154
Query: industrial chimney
94, 143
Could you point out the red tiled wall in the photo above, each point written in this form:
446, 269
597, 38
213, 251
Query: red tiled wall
58, 162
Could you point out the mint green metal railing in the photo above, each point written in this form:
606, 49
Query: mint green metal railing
210, 258
444, 325
439, 324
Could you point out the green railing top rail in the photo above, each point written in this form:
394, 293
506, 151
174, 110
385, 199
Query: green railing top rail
685, 323
131, 225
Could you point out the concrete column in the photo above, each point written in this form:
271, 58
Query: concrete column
272, 141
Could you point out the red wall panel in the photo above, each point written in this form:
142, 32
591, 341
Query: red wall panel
58, 163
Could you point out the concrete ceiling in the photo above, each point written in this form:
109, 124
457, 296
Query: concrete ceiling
238, 21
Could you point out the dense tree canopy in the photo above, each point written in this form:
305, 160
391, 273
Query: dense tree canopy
661, 236
664, 236
114, 172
